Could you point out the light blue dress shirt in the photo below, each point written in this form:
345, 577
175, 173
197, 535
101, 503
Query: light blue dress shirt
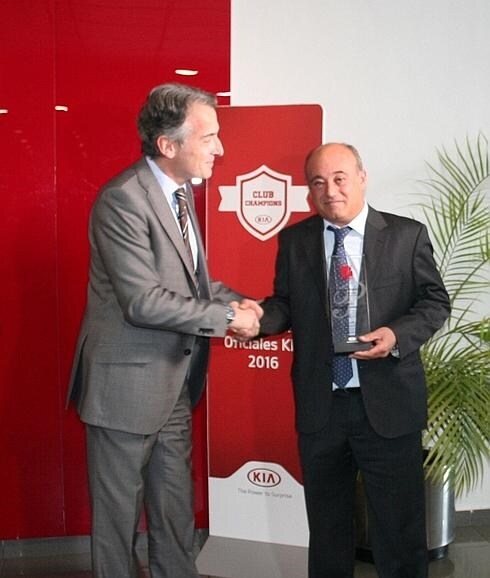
169, 187
353, 243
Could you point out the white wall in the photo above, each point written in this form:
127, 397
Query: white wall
397, 79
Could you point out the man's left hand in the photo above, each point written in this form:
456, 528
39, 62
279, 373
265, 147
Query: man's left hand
383, 340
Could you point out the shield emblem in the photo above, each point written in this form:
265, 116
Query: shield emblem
263, 202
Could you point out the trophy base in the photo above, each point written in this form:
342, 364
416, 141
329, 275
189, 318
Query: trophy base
351, 346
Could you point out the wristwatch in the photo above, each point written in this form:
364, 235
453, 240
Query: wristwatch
230, 314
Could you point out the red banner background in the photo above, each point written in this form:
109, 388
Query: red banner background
250, 400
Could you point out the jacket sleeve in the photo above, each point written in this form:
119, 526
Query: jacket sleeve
149, 283
277, 314
431, 306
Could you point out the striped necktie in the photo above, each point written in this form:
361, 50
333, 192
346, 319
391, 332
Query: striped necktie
183, 217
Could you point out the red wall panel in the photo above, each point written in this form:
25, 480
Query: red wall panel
30, 441
98, 59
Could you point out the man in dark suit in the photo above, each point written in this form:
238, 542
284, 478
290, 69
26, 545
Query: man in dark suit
364, 411
142, 352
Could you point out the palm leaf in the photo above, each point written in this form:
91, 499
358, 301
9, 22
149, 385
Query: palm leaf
456, 359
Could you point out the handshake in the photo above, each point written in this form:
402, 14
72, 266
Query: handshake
246, 324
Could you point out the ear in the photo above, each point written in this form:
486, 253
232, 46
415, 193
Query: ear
167, 147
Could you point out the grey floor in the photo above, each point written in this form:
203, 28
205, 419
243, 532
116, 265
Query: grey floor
468, 557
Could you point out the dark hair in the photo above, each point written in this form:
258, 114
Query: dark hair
164, 113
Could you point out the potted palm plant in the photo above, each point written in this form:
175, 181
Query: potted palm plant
457, 358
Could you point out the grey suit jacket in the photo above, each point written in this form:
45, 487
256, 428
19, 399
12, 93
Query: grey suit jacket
147, 324
406, 294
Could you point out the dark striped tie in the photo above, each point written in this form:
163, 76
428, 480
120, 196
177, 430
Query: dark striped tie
183, 217
339, 286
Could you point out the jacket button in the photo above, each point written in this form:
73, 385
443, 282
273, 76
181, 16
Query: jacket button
187, 351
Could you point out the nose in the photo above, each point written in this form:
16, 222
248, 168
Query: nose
218, 149
329, 189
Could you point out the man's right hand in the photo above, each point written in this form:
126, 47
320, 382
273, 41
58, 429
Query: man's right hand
246, 324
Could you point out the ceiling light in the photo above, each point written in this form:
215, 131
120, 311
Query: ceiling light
61, 107
186, 72
224, 93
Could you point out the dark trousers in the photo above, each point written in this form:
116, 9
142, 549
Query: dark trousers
128, 470
393, 479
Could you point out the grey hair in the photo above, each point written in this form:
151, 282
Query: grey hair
350, 147
164, 113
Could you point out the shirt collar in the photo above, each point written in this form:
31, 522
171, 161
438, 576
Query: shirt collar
358, 223
168, 185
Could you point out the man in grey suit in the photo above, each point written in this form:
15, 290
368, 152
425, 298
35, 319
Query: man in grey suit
142, 352
364, 411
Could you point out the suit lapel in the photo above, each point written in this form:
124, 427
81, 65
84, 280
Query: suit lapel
374, 239
202, 266
313, 245
164, 214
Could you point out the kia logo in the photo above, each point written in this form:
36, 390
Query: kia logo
263, 219
264, 478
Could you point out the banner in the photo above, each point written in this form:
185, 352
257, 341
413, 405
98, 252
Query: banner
258, 187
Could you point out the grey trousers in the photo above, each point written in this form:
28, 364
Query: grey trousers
128, 470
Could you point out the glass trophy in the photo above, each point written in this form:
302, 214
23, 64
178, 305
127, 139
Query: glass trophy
349, 303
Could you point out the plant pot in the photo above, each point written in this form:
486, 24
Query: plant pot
439, 517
